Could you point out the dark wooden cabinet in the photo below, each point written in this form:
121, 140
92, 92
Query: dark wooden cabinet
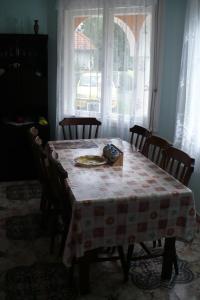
23, 100
23, 75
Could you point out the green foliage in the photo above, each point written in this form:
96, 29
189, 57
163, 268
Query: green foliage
93, 28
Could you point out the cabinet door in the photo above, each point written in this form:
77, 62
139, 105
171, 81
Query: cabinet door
23, 93
33, 92
9, 90
33, 75
23, 76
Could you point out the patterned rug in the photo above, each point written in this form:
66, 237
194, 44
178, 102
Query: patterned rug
29, 272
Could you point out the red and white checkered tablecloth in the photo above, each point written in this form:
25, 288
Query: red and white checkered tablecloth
122, 205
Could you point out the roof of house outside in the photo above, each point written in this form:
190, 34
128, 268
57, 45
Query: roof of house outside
82, 42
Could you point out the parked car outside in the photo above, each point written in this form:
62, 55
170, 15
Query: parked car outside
89, 92
89, 87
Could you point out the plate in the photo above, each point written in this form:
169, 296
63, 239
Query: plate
90, 160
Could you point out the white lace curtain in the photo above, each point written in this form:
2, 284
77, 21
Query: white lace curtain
187, 134
105, 58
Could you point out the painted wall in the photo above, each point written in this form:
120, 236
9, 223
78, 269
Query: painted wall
173, 37
173, 29
17, 16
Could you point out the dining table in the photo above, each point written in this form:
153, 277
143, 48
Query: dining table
130, 203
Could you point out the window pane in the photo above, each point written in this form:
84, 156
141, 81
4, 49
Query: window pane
131, 63
127, 64
87, 63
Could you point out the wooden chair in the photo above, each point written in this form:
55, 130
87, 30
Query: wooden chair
139, 135
80, 128
39, 157
178, 164
154, 147
181, 166
53, 205
60, 200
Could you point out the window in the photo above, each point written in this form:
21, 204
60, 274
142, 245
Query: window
106, 62
129, 57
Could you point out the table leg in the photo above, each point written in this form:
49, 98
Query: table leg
84, 274
169, 258
123, 262
129, 255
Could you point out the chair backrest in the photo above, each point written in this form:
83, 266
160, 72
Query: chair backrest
40, 159
139, 135
154, 147
80, 128
59, 187
178, 163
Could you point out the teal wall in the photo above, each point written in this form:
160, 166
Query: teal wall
17, 16
173, 29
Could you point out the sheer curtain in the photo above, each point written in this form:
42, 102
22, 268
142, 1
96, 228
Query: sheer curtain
187, 131
105, 51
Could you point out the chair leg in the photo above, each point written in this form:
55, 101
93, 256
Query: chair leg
84, 274
176, 265
169, 259
71, 273
129, 255
159, 243
123, 262
63, 240
54, 227
43, 202
52, 244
